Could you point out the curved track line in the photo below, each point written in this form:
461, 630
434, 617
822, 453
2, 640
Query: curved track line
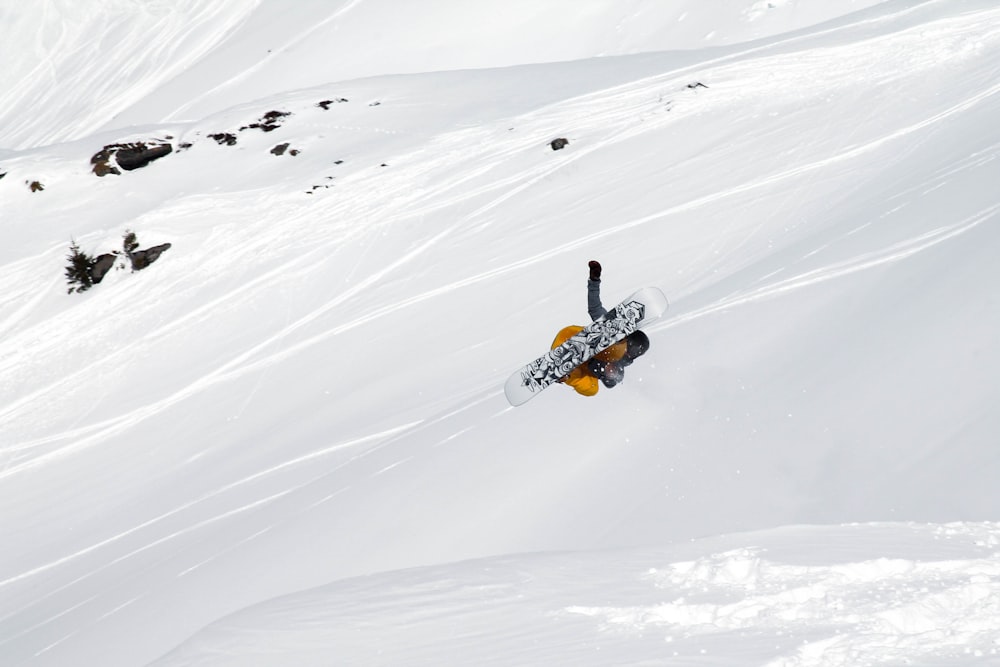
390, 434
894, 253
240, 364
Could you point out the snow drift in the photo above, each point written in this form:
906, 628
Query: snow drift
291, 427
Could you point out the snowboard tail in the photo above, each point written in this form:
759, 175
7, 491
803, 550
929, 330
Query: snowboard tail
641, 308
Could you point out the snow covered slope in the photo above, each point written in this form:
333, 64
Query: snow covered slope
877, 594
304, 392
129, 62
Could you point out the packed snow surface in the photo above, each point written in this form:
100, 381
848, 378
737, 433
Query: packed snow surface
286, 442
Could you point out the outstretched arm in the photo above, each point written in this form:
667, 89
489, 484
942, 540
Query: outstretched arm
594, 306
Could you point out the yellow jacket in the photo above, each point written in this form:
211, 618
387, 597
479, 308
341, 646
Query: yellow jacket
581, 378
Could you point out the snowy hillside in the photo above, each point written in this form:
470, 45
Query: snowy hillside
286, 441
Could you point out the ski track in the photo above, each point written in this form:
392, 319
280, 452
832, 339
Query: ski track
901, 624
238, 365
620, 109
247, 73
292, 463
50, 619
189, 529
896, 252
380, 441
132, 349
163, 58
634, 102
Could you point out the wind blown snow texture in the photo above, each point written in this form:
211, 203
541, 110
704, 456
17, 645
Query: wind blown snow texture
286, 441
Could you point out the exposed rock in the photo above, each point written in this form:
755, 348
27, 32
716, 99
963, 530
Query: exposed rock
559, 144
281, 148
271, 121
128, 156
140, 155
101, 266
35, 186
143, 258
325, 104
318, 187
103, 164
2, 174
224, 138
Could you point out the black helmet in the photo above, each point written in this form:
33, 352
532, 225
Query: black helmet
638, 343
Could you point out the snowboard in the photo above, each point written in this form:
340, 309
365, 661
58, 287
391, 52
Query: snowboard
639, 309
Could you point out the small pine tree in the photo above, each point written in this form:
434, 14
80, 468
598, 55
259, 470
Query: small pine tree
129, 242
78, 271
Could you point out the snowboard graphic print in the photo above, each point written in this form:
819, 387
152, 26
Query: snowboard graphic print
627, 317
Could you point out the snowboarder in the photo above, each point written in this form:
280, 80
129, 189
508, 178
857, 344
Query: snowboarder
608, 367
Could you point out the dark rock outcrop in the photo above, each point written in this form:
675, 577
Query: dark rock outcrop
281, 148
102, 163
325, 104
102, 264
140, 155
143, 258
224, 138
271, 121
128, 156
559, 144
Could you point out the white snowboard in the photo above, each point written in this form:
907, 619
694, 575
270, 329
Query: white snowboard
646, 305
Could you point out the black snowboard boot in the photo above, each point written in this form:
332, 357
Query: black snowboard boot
608, 372
637, 345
